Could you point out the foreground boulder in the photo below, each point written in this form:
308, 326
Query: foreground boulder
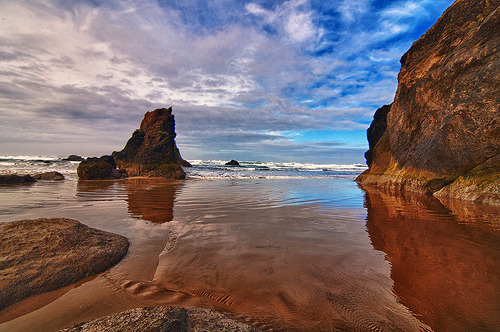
49, 176
442, 134
102, 168
151, 151
164, 319
41, 255
16, 179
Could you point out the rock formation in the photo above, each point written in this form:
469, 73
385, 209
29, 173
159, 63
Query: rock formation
164, 319
49, 176
443, 128
16, 179
151, 151
41, 255
102, 168
232, 163
74, 157
376, 130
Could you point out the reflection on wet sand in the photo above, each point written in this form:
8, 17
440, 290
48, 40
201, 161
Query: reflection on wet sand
279, 255
151, 200
289, 267
445, 259
105, 207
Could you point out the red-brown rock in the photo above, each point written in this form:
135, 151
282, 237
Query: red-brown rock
102, 168
443, 128
151, 151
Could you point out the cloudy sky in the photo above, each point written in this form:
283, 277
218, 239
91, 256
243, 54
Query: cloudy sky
268, 80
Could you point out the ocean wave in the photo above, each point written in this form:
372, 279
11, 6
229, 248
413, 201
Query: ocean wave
202, 169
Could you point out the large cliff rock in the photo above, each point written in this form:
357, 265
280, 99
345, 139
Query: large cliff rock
151, 151
443, 128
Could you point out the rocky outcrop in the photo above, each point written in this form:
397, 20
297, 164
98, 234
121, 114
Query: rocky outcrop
49, 176
164, 319
232, 163
376, 130
74, 157
102, 168
41, 255
443, 130
151, 151
16, 179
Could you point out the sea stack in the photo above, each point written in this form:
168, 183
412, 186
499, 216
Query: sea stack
442, 132
151, 151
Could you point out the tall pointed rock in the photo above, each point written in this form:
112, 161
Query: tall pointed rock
151, 151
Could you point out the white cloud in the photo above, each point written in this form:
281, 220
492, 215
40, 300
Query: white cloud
93, 71
292, 17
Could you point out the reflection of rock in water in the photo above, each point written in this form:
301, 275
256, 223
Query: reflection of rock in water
445, 269
151, 199
85, 186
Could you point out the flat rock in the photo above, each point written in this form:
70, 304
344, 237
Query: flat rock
41, 255
49, 176
163, 319
74, 157
16, 179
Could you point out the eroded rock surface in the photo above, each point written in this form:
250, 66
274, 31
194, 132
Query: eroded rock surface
164, 319
151, 151
443, 128
41, 255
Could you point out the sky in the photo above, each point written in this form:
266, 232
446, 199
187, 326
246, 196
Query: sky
252, 80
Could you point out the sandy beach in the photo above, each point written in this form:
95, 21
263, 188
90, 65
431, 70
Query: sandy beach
281, 254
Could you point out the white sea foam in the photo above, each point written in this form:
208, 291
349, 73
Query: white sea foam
202, 169
216, 169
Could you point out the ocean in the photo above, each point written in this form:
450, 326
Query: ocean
208, 169
282, 246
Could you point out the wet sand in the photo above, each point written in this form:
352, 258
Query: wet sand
292, 254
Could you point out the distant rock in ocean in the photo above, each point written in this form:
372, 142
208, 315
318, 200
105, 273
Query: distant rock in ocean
232, 163
442, 134
102, 168
151, 151
74, 157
